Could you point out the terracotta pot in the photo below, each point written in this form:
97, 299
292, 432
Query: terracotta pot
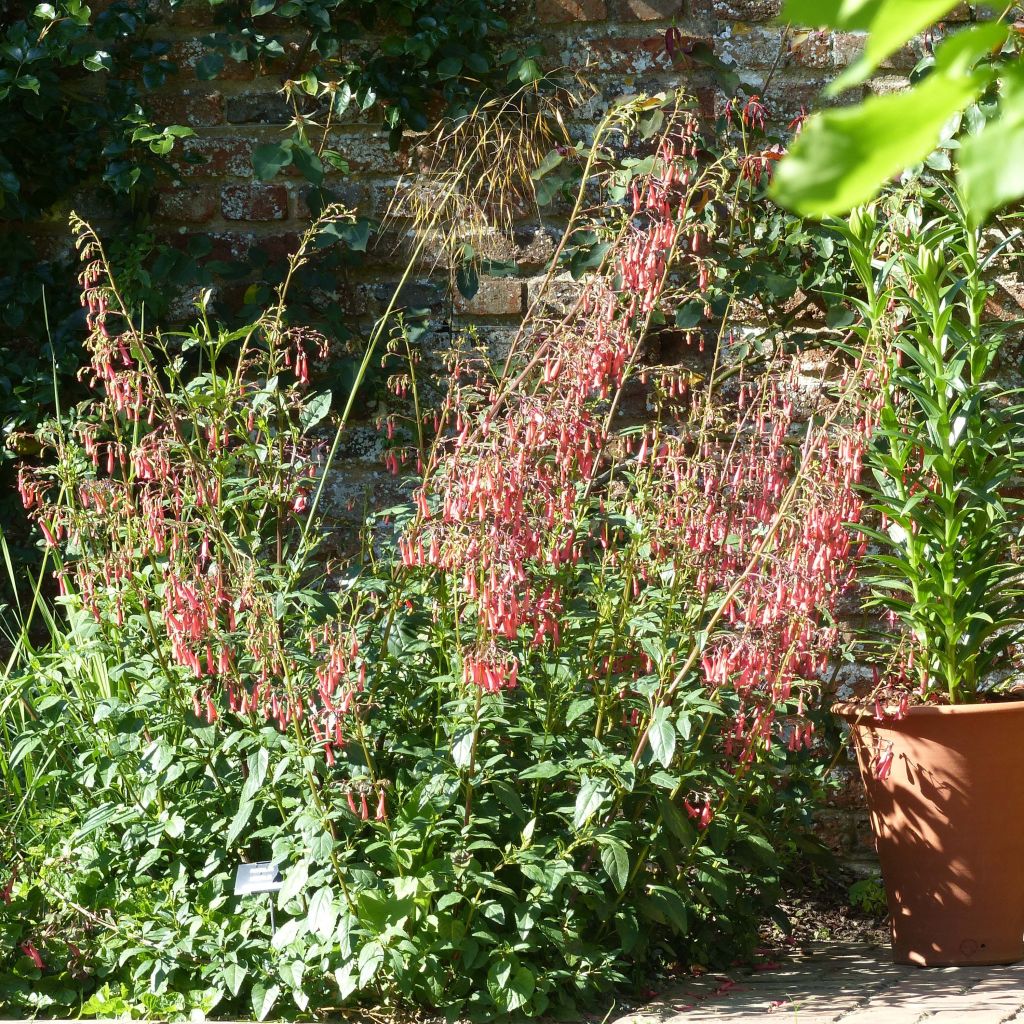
949, 826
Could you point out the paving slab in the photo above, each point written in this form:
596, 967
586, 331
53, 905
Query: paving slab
832, 983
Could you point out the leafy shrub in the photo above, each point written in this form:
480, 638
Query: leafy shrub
552, 728
945, 574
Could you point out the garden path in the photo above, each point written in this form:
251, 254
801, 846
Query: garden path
842, 984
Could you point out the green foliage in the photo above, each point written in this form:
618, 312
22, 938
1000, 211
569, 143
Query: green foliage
868, 896
521, 852
68, 105
948, 450
414, 59
845, 156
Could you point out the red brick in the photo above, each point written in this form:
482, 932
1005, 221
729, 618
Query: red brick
497, 296
258, 107
836, 829
632, 56
561, 11
746, 10
217, 156
189, 205
190, 14
193, 107
266, 201
238, 244
367, 151
646, 10
812, 49
187, 53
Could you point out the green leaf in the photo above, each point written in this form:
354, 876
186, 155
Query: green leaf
990, 165
323, 914
551, 160
314, 410
209, 66
234, 975
270, 158
449, 67
588, 801
661, 736
467, 280
238, 822
308, 163
260, 7
355, 234
689, 315
263, 999
843, 157
294, 882
257, 764
889, 24
520, 988
615, 860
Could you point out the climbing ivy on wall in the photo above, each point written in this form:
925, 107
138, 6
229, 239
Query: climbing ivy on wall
77, 124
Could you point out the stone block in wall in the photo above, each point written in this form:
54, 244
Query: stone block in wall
496, 296
197, 108
746, 10
556, 296
837, 830
189, 205
374, 298
752, 47
645, 10
623, 55
812, 49
254, 201
214, 156
190, 14
367, 151
884, 85
261, 107
534, 245
848, 793
566, 11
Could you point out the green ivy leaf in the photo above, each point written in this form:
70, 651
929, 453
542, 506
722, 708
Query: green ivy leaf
209, 66
271, 157
308, 163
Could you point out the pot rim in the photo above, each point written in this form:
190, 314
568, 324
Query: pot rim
855, 711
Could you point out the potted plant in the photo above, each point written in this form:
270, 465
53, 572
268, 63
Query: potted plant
939, 745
